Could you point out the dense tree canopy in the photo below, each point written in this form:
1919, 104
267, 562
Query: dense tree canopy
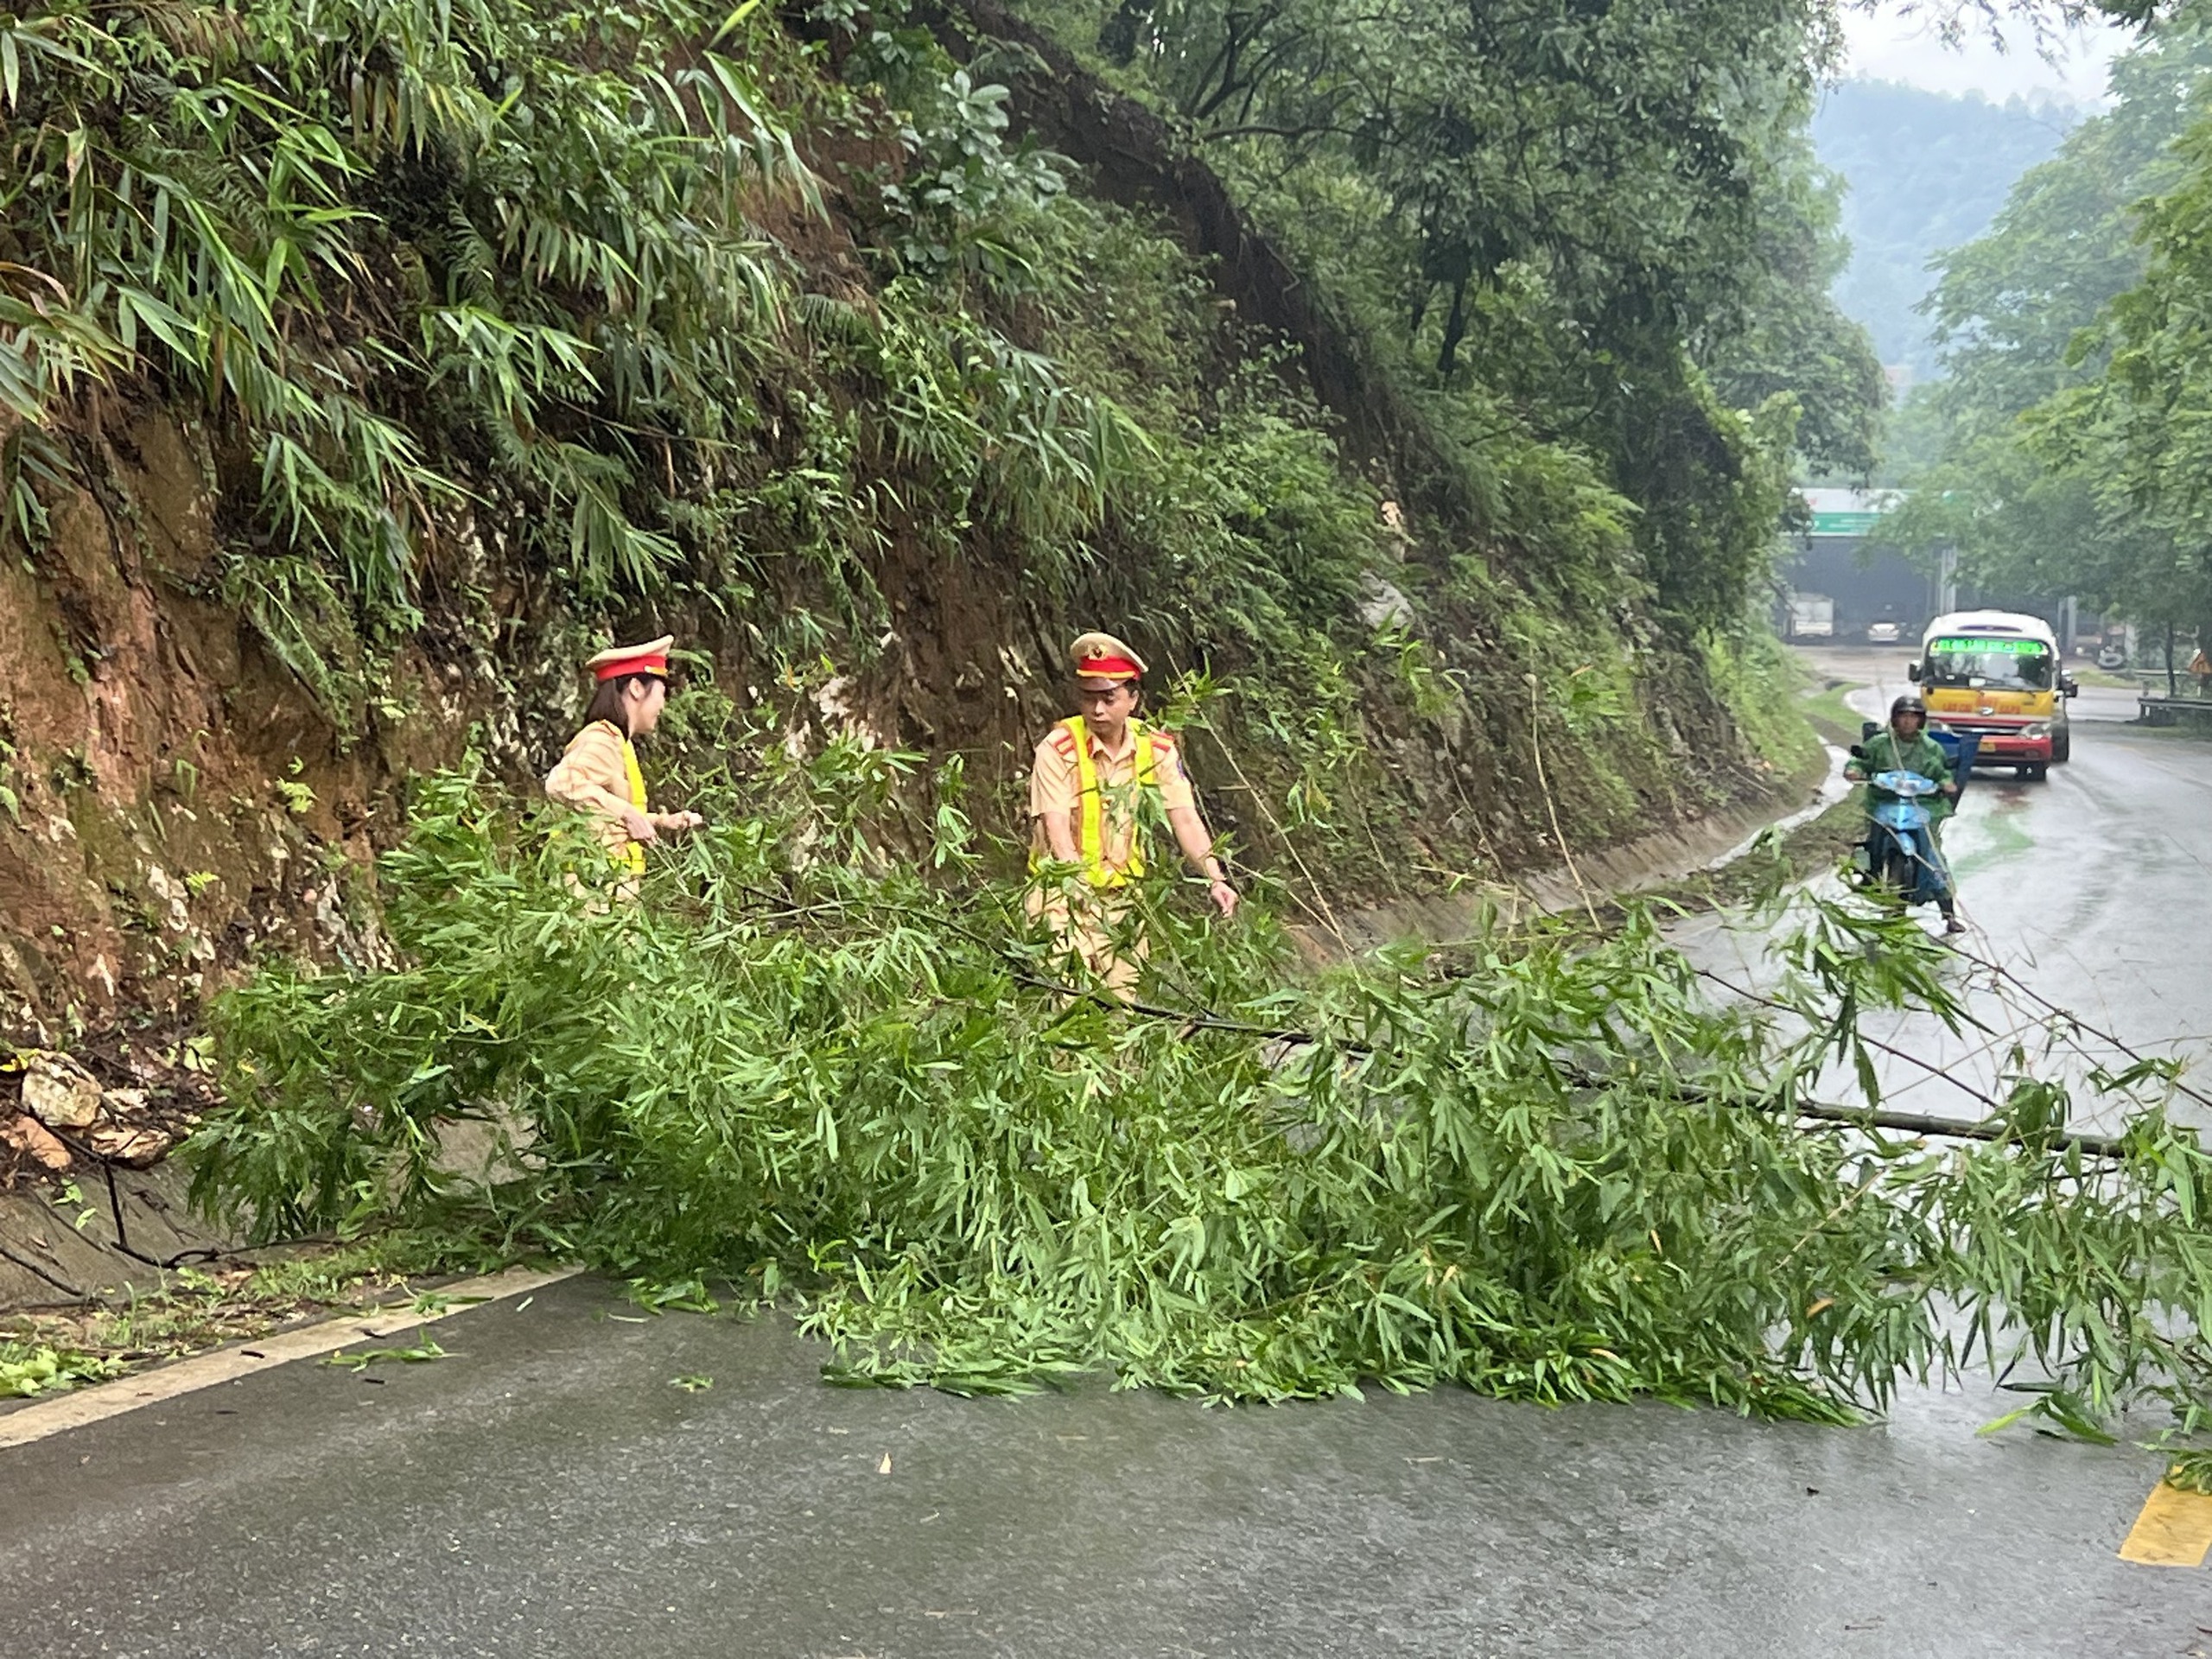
1606, 213
2134, 435
1791, 338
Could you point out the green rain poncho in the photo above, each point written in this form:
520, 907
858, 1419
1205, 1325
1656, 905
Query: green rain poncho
1887, 751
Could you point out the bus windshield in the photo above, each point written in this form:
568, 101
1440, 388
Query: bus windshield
1995, 665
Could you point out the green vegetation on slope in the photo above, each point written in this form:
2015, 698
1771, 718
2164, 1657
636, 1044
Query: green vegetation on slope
1573, 214
761, 327
416, 261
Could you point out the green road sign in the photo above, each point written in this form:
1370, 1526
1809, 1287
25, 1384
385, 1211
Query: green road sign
1845, 524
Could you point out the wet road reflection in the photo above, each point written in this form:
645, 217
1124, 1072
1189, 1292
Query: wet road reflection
2091, 890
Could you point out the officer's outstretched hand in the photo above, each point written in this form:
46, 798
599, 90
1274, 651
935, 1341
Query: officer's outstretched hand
678, 820
1224, 898
638, 825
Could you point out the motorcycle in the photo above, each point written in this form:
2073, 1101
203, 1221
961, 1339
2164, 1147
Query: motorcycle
1900, 847
1899, 852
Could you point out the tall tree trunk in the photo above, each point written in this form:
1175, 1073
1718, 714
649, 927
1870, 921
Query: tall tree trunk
1455, 330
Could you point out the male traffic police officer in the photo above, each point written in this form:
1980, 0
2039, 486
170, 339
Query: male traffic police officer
1084, 792
598, 775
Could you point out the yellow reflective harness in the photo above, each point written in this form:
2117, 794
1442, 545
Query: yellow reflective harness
633, 852
1091, 806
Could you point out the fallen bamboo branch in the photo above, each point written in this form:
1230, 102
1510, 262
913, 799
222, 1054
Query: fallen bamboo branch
1952, 1129
1993, 1129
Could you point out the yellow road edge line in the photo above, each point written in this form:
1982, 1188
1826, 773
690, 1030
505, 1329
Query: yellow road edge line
125, 1394
2174, 1529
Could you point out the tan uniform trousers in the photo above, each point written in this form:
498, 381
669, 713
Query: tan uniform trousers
1094, 928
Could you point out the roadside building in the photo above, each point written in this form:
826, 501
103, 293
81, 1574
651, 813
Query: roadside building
1839, 581
1835, 571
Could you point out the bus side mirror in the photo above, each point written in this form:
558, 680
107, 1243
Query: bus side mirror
2070, 686
1912, 672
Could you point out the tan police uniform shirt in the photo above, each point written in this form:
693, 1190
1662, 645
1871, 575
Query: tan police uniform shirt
592, 776
1054, 786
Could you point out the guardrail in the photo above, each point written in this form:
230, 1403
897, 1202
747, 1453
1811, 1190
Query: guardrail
2156, 708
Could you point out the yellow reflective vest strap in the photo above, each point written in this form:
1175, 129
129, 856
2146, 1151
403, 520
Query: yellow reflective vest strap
1091, 806
633, 852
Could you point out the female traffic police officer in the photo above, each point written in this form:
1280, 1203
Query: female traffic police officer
1082, 807
598, 775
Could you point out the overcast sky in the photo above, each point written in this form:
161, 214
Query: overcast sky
1888, 46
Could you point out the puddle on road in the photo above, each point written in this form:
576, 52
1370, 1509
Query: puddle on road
1999, 831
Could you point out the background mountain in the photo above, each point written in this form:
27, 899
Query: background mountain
2062, 452
1926, 171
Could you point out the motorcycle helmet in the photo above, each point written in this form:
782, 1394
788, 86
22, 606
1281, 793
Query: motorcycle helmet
1908, 704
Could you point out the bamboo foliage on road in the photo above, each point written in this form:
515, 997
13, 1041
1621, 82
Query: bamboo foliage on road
1562, 1172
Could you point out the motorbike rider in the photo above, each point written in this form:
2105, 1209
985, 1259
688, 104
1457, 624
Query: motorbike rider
1905, 745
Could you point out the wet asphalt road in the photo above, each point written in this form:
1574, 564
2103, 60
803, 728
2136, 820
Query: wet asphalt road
2092, 887
547, 1491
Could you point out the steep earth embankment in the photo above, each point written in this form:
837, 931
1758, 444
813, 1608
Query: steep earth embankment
185, 783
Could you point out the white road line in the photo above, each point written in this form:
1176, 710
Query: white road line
92, 1405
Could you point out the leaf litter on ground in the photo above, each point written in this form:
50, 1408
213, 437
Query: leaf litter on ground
359, 1359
